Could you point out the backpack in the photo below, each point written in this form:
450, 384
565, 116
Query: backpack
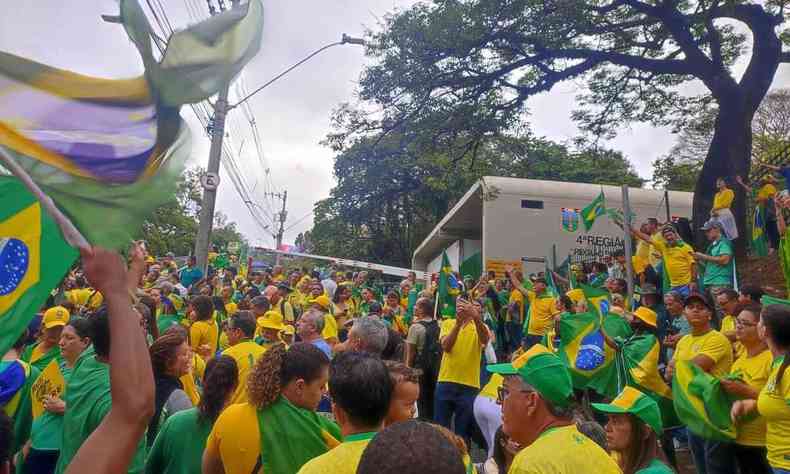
429, 359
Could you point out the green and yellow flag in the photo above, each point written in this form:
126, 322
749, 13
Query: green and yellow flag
759, 242
701, 404
448, 288
34, 258
596, 208
291, 436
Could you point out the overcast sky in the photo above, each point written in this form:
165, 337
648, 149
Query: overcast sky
292, 114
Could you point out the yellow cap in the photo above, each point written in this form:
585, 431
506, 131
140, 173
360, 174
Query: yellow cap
288, 330
576, 295
271, 320
647, 315
322, 301
55, 316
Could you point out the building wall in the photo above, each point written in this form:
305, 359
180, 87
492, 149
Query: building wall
512, 232
453, 254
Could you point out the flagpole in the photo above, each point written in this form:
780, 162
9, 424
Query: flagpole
629, 267
70, 232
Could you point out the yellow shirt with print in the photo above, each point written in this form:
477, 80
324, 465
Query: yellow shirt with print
754, 371
461, 365
678, 260
330, 327
766, 192
342, 459
542, 309
712, 344
236, 439
723, 199
563, 451
245, 354
204, 333
774, 405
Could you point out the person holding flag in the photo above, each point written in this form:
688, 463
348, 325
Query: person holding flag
542, 308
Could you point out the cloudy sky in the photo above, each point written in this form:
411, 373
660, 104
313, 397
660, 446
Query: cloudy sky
293, 114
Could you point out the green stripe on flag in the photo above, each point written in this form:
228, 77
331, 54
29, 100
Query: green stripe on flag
593, 210
701, 403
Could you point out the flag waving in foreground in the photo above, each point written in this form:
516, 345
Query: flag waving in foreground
108, 152
448, 288
34, 257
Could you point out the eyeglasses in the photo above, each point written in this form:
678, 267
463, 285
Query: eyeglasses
746, 324
503, 392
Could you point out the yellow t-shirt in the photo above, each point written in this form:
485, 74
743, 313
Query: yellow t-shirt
516, 297
343, 459
754, 371
766, 192
774, 405
563, 451
646, 253
236, 439
330, 327
189, 381
723, 199
285, 309
541, 313
712, 344
492, 387
204, 333
245, 354
462, 364
678, 260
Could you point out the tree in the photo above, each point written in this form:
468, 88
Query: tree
680, 168
390, 194
457, 72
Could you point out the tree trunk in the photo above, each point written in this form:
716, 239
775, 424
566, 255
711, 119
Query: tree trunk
729, 156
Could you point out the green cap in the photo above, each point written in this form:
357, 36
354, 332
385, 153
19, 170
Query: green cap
636, 403
544, 371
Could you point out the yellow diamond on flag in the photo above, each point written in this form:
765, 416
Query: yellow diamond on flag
20, 238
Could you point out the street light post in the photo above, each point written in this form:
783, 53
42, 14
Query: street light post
221, 108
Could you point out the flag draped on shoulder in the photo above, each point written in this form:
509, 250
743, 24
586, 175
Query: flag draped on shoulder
593, 210
291, 436
34, 258
701, 404
759, 242
110, 151
448, 288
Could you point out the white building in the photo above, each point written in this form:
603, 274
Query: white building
517, 221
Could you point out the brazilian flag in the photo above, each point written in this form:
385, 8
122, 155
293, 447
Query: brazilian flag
448, 288
593, 210
759, 243
701, 404
34, 257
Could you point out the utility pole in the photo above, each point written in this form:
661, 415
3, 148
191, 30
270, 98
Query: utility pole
629, 267
210, 180
281, 216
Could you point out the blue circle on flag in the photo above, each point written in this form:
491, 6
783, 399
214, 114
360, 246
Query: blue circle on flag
14, 262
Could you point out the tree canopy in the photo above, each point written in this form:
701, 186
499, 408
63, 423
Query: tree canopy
390, 194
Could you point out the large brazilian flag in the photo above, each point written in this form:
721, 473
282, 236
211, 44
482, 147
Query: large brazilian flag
34, 257
701, 404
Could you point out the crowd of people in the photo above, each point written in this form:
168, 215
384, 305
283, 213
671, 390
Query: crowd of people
299, 370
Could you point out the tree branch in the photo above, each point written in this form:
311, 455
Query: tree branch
657, 66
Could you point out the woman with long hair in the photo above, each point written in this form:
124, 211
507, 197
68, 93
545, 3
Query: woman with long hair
178, 448
632, 432
773, 402
750, 370
343, 309
171, 359
46, 431
277, 430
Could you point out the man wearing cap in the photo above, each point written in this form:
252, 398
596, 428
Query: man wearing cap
719, 269
677, 257
541, 312
240, 330
329, 333
712, 352
633, 430
40, 354
537, 414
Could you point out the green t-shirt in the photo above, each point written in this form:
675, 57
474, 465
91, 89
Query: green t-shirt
716, 274
179, 445
88, 400
656, 467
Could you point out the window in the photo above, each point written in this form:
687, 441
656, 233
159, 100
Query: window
529, 204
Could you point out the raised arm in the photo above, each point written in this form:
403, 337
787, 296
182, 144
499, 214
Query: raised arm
111, 447
640, 235
766, 165
745, 186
